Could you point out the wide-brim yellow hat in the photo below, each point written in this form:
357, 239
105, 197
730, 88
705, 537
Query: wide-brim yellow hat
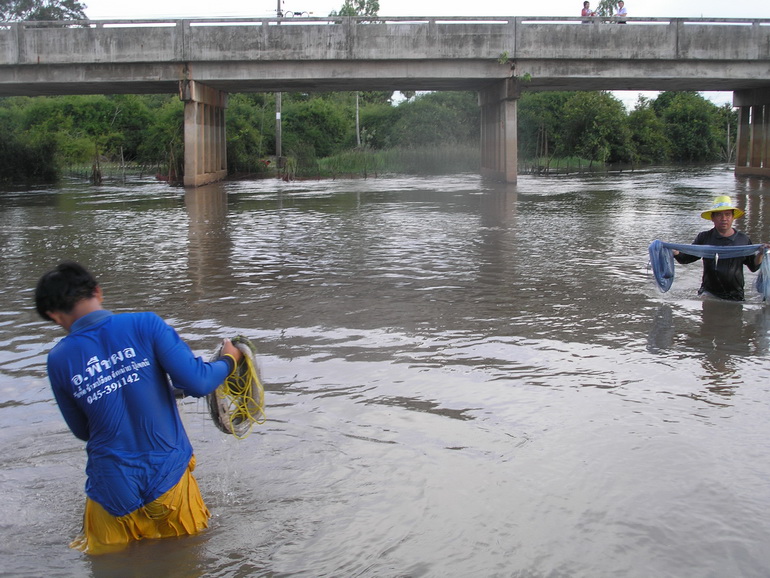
722, 203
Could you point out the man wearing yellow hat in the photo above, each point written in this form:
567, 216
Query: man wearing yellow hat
722, 278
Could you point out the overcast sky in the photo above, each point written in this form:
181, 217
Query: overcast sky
105, 9
139, 9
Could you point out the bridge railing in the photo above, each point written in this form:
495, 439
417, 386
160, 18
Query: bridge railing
355, 38
412, 53
320, 20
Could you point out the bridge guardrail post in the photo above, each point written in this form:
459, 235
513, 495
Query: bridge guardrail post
16, 42
182, 40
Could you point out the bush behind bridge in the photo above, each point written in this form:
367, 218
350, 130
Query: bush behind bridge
45, 134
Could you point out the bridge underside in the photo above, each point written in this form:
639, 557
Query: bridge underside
321, 76
204, 87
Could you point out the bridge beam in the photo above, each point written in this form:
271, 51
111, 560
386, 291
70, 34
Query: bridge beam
753, 150
205, 149
499, 142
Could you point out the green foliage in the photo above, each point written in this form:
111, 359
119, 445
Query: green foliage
430, 160
84, 126
368, 8
595, 127
539, 124
359, 162
367, 162
250, 121
43, 133
376, 96
316, 125
648, 134
726, 129
607, 7
163, 140
436, 118
377, 121
25, 159
690, 122
41, 10
676, 126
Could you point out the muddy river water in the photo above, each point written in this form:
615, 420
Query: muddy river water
462, 378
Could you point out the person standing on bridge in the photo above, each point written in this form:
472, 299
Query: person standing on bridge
622, 13
722, 278
587, 12
110, 377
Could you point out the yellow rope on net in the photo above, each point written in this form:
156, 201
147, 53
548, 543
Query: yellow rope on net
239, 402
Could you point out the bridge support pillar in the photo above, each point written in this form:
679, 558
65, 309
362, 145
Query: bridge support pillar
499, 142
205, 149
753, 150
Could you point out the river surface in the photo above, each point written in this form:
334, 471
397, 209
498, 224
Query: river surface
462, 378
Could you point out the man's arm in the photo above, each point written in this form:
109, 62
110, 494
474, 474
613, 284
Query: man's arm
74, 417
189, 373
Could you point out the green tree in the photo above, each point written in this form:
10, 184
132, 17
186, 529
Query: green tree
540, 130
648, 133
376, 96
83, 126
368, 8
24, 157
163, 140
128, 116
607, 7
316, 127
595, 127
377, 121
436, 118
42, 10
727, 129
691, 125
249, 118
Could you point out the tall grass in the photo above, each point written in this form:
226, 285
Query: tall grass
559, 165
367, 162
356, 163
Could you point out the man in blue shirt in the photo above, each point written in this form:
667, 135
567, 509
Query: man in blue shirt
110, 377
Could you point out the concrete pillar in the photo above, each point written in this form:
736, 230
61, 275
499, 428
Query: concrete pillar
205, 151
499, 142
742, 140
757, 135
753, 151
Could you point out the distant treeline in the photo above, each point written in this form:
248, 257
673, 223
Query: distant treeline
43, 136
675, 127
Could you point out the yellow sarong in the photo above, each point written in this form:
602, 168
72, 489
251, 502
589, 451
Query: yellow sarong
178, 512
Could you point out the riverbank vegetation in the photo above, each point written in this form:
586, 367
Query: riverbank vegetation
362, 134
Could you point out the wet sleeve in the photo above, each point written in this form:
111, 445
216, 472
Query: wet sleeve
751, 260
189, 373
74, 417
684, 258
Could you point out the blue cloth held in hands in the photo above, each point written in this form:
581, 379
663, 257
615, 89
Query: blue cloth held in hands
662, 261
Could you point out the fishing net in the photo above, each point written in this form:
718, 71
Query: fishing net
239, 403
662, 261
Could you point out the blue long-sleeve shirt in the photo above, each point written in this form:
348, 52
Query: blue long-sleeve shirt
110, 379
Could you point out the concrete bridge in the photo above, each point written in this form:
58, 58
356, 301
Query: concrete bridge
204, 60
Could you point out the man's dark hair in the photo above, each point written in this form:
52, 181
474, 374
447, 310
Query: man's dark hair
61, 288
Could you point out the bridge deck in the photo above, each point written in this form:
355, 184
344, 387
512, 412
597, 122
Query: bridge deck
324, 54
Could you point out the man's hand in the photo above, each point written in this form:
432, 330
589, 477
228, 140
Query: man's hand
229, 349
761, 255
